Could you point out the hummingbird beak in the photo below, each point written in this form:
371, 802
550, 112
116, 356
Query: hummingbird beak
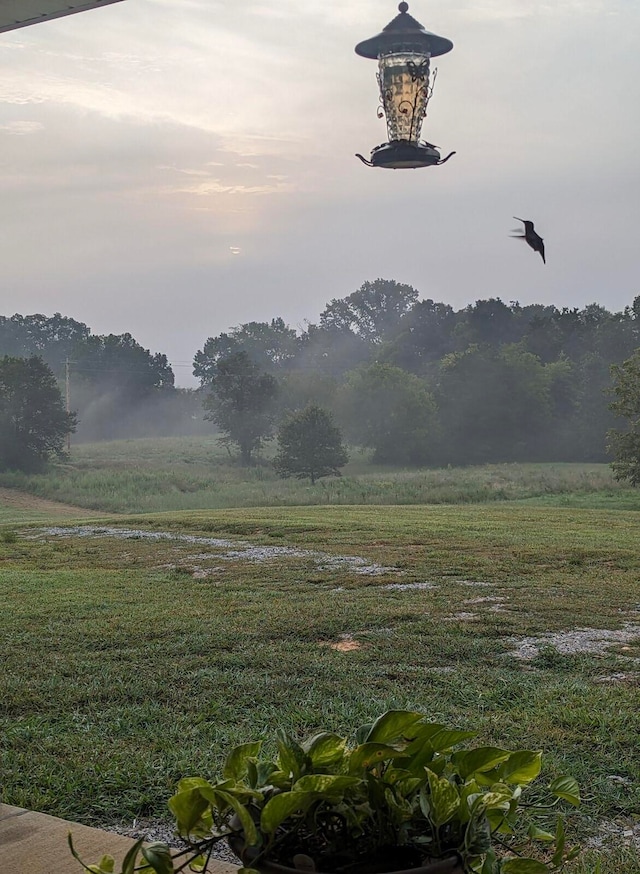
518, 219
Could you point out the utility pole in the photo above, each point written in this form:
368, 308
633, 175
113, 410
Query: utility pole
68, 398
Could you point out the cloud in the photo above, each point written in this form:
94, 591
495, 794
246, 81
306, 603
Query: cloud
22, 128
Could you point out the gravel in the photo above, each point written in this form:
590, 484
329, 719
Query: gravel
158, 830
580, 640
234, 550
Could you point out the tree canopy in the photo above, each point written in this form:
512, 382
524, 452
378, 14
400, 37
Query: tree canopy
33, 420
241, 402
624, 443
412, 379
310, 445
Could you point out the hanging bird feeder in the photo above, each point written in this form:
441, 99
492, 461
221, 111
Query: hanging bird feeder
404, 50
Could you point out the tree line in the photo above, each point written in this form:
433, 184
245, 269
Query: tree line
419, 383
412, 380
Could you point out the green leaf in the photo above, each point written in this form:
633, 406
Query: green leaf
158, 855
235, 767
129, 861
107, 864
291, 757
325, 749
491, 801
280, 780
282, 806
368, 755
444, 799
523, 866
325, 784
538, 834
522, 766
187, 783
249, 830
499, 822
566, 788
188, 808
264, 773
394, 725
479, 760
443, 739
478, 836
560, 843
198, 864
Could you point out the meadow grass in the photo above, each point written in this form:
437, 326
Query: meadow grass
129, 663
141, 476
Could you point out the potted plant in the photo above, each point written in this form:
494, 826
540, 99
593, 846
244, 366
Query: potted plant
407, 795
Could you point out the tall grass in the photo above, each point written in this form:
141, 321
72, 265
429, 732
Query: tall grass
137, 476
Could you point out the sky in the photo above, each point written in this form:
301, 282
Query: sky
174, 168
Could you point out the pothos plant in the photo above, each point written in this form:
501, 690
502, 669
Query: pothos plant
406, 793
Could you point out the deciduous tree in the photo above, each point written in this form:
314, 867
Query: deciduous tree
310, 445
390, 411
624, 445
269, 345
371, 312
241, 403
33, 421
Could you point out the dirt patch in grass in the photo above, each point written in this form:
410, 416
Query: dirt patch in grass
345, 643
579, 640
12, 499
233, 550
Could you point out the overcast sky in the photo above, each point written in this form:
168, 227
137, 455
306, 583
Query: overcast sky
173, 168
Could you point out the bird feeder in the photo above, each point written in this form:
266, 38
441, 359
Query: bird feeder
404, 50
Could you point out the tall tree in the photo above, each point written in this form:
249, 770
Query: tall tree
490, 322
53, 338
310, 445
331, 351
392, 412
241, 403
624, 444
373, 311
423, 335
33, 421
272, 346
495, 405
118, 361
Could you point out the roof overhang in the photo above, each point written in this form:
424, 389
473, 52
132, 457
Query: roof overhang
20, 13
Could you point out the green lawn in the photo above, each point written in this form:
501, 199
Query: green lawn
131, 662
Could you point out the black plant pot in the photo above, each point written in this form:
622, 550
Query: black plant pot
450, 865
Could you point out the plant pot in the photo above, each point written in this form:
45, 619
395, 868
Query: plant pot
441, 866
450, 865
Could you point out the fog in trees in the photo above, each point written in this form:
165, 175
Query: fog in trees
408, 379
116, 387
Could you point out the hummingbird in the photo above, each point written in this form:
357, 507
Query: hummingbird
529, 236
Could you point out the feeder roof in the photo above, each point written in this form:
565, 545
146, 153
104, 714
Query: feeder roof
404, 33
20, 13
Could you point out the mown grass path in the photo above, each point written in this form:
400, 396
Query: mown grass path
129, 663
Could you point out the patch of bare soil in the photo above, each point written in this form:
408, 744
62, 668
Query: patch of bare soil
13, 499
233, 551
345, 643
579, 640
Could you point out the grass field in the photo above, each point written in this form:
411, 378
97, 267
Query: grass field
131, 661
146, 476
